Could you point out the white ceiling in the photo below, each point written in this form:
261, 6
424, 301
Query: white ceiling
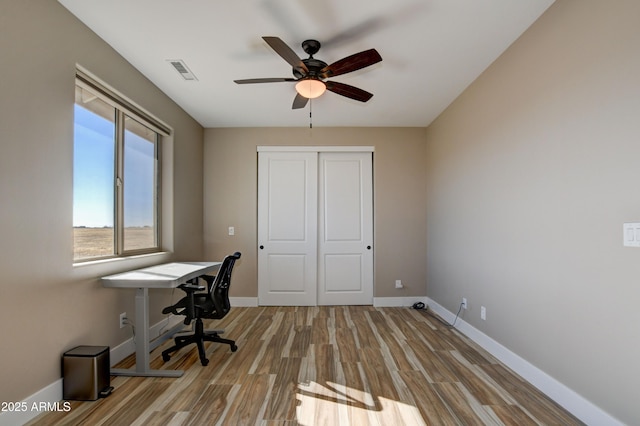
431, 49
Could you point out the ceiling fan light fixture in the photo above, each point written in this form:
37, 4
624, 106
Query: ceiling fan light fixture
310, 88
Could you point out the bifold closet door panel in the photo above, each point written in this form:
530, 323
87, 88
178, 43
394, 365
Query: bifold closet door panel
345, 229
287, 228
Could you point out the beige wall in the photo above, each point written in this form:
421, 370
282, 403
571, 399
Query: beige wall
531, 173
46, 305
399, 199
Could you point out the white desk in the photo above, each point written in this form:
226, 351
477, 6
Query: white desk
169, 275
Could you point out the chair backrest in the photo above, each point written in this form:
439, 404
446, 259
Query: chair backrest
219, 289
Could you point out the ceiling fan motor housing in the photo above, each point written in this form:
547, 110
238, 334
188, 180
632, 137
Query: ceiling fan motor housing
311, 46
313, 65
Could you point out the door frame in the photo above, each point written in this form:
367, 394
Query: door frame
325, 149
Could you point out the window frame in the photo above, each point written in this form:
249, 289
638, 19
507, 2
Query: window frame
124, 108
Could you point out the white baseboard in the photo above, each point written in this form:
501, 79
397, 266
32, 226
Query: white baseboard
393, 302
31, 407
49, 397
126, 348
566, 397
377, 301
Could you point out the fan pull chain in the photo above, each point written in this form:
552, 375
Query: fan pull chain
310, 117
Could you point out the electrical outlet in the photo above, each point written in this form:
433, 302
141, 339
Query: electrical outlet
483, 313
399, 284
123, 318
464, 303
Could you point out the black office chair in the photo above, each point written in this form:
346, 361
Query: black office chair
213, 304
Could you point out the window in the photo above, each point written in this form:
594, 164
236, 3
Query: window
116, 185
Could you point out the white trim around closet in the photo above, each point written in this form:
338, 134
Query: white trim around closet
332, 148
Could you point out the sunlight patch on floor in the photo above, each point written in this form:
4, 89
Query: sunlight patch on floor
317, 405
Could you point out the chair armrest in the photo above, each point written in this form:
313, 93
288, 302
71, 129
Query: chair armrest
210, 279
187, 304
190, 287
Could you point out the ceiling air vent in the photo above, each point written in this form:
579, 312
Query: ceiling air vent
182, 68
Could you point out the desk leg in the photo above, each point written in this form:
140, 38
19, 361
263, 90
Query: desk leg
142, 343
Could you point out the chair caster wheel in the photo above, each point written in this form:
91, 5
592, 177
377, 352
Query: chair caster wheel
234, 348
166, 357
204, 362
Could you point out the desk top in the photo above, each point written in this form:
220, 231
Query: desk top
167, 275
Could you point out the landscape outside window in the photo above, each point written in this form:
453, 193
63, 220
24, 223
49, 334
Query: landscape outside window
115, 183
139, 186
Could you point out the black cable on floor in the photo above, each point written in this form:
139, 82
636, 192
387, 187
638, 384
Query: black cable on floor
426, 308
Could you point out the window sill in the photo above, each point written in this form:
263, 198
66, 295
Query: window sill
116, 260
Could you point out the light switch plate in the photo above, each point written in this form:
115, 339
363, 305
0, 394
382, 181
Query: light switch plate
631, 234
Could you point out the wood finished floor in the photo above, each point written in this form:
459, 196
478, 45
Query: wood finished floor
344, 365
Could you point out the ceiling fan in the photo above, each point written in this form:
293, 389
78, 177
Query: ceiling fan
311, 74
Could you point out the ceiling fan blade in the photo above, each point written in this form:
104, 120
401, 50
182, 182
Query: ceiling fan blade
351, 63
356, 32
395, 15
286, 53
263, 80
299, 102
348, 91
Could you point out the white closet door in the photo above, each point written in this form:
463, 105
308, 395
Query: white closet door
345, 229
287, 228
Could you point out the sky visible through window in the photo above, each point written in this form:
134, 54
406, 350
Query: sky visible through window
93, 180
